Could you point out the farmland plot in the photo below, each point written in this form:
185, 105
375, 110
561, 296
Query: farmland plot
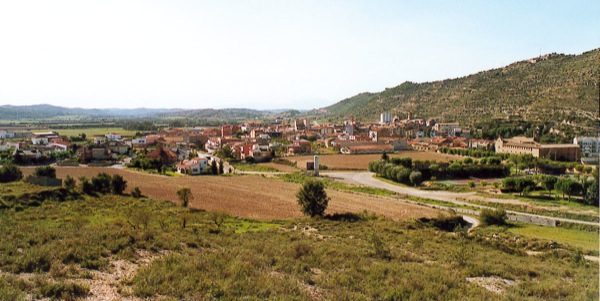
246, 196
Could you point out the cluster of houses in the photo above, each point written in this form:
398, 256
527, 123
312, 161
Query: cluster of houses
30, 146
258, 141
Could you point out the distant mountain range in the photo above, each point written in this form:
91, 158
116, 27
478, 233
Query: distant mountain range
553, 87
550, 87
47, 112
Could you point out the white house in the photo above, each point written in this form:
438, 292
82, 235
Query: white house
194, 166
7, 134
99, 140
139, 141
58, 147
39, 140
113, 136
43, 138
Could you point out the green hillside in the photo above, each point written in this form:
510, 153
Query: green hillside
554, 87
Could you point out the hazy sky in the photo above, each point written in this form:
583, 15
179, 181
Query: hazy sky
266, 54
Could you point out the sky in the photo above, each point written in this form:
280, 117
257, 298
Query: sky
266, 54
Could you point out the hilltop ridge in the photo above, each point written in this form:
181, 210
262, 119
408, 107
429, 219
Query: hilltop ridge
550, 87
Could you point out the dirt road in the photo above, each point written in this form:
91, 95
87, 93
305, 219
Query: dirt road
367, 179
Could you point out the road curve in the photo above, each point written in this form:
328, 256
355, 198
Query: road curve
367, 179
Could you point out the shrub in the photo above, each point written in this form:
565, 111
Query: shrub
380, 250
591, 194
69, 183
493, 217
85, 186
312, 198
45, 171
136, 193
117, 184
462, 255
404, 161
101, 183
10, 173
416, 178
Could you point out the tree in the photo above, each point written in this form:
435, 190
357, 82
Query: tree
85, 185
10, 173
548, 183
568, 186
416, 178
101, 183
117, 184
509, 184
213, 167
312, 198
591, 194
45, 171
522, 184
384, 156
221, 170
185, 195
69, 183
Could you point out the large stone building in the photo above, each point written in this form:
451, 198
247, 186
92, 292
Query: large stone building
527, 146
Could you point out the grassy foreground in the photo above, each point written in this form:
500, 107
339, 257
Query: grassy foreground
198, 255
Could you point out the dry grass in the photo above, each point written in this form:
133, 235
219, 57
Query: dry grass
247, 196
361, 162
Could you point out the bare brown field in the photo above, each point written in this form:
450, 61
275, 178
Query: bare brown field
361, 162
246, 196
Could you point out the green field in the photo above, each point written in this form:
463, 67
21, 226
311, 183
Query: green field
254, 167
587, 241
91, 132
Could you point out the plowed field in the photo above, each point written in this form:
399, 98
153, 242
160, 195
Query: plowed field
247, 196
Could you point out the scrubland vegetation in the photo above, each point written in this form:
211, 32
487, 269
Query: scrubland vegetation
198, 255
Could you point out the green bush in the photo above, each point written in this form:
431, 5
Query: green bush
10, 173
117, 184
45, 171
312, 198
101, 183
493, 217
136, 193
416, 178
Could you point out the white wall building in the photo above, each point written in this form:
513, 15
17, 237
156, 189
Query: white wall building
113, 136
7, 134
385, 118
590, 148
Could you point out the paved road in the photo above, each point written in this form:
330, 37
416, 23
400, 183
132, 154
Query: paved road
367, 179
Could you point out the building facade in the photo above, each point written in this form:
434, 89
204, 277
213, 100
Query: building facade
527, 146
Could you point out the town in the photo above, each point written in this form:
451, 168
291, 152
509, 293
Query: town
186, 150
